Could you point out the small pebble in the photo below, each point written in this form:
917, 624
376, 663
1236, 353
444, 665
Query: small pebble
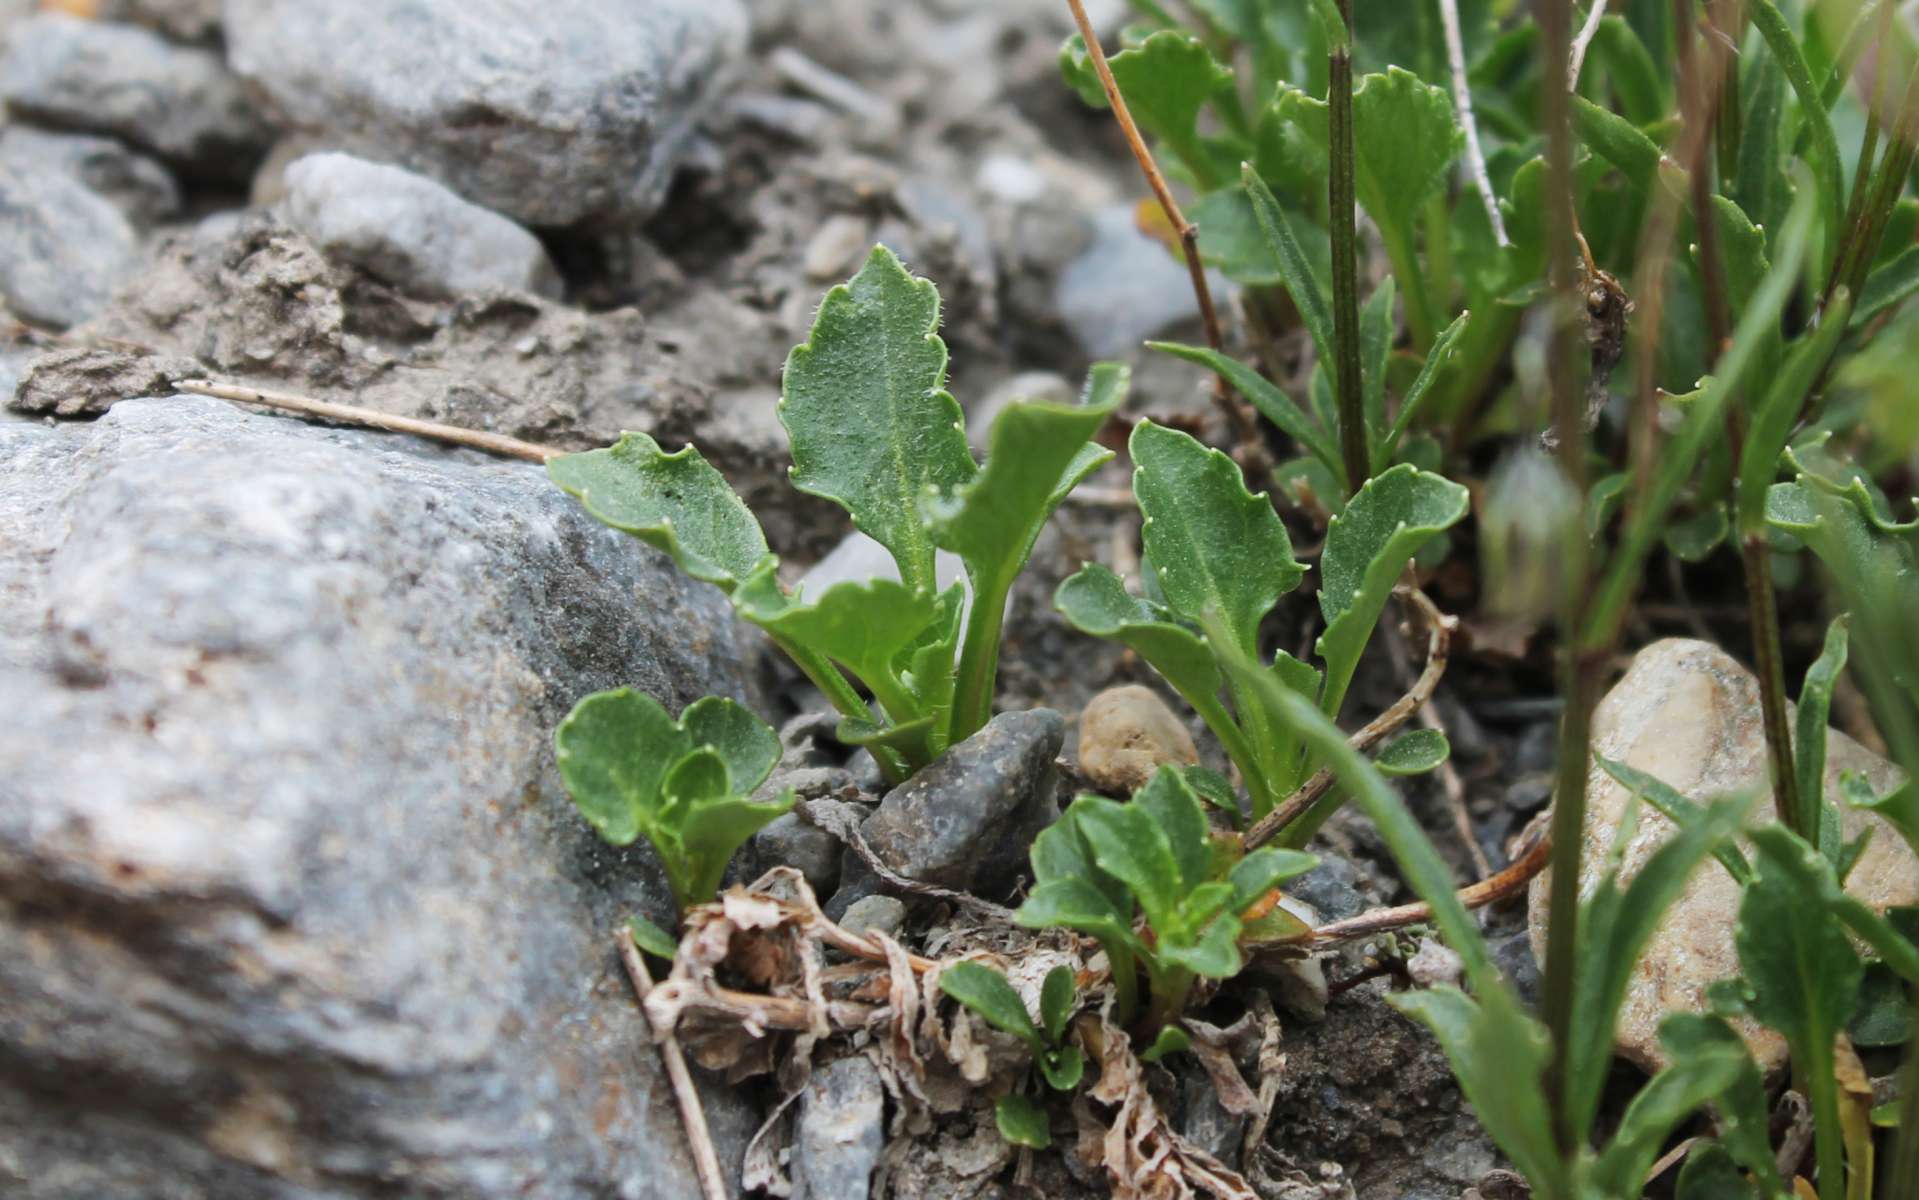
869, 914
1125, 734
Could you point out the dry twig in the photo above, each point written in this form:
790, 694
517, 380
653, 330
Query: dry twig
1439, 634
1587, 32
492, 443
1463, 101
1239, 416
705, 1159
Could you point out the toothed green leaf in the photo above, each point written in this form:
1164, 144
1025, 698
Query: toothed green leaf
1413, 753
1367, 548
986, 992
1803, 969
613, 750
1167, 80
676, 502
865, 406
747, 745
1214, 546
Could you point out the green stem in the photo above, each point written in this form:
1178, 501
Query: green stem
1341, 200
1822, 1090
827, 677
979, 661
1125, 980
1903, 1180
1421, 321
1170, 989
1763, 607
1238, 749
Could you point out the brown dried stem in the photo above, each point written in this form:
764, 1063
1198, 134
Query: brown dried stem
1439, 636
706, 1161
492, 443
1239, 416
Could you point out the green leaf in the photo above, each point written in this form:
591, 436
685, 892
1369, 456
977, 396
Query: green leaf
1022, 1122
1214, 546
986, 992
1694, 538
1778, 411
1898, 808
1677, 809
1375, 350
747, 745
1710, 1173
1413, 753
1262, 871
1409, 407
1635, 77
613, 750
1406, 138
1499, 1055
1818, 885
1618, 141
1057, 998
651, 938
1173, 806
865, 626
1167, 80
1063, 1068
1713, 1061
1758, 182
1038, 453
676, 502
1170, 1040
1809, 740
1367, 548
1884, 1015
632, 770
1276, 406
1130, 846
1889, 285
1214, 953
1616, 924
865, 406
1302, 283
1061, 854
1780, 39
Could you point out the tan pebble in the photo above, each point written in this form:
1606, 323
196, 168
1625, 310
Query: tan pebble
1125, 734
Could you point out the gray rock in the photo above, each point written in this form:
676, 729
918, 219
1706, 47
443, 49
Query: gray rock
180, 102
83, 380
1333, 887
1687, 713
181, 20
292, 904
839, 1135
139, 186
788, 841
1126, 288
550, 111
1513, 955
411, 231
874, 913
63, 248
967, 820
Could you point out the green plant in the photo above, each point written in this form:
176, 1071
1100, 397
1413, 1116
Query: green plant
1103, 863
1213, 551
873, 429
986, 992
634, 771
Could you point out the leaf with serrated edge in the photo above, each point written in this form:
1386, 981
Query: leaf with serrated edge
1215, 547
865, 405
1166, 80
1038, 453
676, 502
613, 750
986, 992
1413, 753
1367, 548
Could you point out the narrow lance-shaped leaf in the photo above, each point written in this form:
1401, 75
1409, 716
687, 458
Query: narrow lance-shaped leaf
1809, 742
1375, 351
1038, 453
1302, 283
986, 992
865, 406
1780, 39
1273, 404
1676, 808
1891, 284
1708, 1061
676, 502
1778, 411
1415, 397
1367, 548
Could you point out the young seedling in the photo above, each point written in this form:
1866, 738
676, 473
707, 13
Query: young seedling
1104, 863
634, 771
986, 992
1217, 560
873, 429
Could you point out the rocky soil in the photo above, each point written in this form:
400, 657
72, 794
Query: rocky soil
291, 901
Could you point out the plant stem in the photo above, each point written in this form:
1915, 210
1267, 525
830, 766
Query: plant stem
826, 677
978, 663
1340, 200
1822, 1091
1125, 980
1580, 674
1769, 659
1238, 414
